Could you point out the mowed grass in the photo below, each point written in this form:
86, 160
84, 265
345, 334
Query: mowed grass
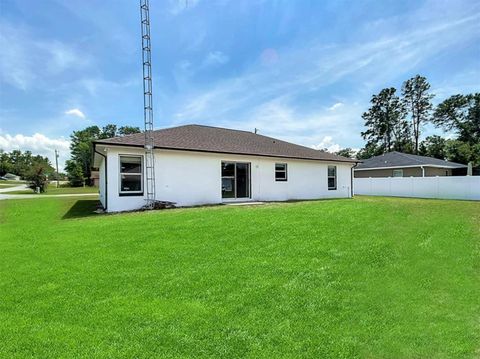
8, 183
52, 189
368, 277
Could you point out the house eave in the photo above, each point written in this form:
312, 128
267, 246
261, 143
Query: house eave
409, 166
228, 153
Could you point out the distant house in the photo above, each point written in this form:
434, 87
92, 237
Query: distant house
397, 164
11, 177
95, 177
197, 165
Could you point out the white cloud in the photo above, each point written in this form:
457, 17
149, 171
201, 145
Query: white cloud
37, 144
216, 58
251, 99
335, 106
22, 52
328, 144
75, 112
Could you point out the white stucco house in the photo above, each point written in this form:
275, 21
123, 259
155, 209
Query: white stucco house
196, 165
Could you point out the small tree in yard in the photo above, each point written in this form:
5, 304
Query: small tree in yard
74, 173
37, 177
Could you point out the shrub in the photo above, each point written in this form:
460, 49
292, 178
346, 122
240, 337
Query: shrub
37, 177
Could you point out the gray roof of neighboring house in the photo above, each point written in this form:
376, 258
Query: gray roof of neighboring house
221, 140
398, 159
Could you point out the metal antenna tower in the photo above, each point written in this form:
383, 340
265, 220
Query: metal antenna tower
148, 103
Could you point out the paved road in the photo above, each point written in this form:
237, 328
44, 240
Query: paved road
16, 188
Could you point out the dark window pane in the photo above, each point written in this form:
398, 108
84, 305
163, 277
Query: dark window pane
243, 187
228, 188
228, 169
280, 175
332, 170
331, 183
280, 171
130, 164
131, 183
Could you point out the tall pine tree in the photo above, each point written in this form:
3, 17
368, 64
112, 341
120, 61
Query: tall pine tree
387, 128
418, 102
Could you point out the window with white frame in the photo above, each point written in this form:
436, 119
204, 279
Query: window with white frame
280, 171
397, 173
131, 175
332, 177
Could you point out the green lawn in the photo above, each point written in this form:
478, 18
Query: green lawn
369, 278
8, 184
52, 189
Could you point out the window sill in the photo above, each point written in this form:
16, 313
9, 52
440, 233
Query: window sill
280, 180
130, 194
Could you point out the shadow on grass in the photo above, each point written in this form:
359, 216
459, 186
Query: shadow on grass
82, 208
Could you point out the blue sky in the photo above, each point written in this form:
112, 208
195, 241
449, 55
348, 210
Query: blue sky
303, 71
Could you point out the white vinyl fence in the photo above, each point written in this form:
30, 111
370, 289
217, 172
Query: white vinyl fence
467, 187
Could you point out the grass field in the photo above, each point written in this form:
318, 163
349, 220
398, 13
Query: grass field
8, 184
369, 277
52, 189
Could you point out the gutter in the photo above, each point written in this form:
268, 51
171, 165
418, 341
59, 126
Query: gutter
351, 176
106, 177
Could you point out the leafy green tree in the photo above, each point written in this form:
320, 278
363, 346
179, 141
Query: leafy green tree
463, 152
387, 128
82, 149
108, 131
418, 102
370, 150
128, 130
5, 164
461, 114
346, 152
74, 173
20, 163
434, 146
37, 176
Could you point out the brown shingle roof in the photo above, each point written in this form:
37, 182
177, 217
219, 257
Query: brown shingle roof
222, 140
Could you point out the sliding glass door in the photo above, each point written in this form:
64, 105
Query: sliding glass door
235, 180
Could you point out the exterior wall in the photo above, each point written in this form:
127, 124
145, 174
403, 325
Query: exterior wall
456, 187
407, 172
435, 171
194, 178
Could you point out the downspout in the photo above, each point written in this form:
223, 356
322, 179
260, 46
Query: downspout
106, 177
351, 177
423, 171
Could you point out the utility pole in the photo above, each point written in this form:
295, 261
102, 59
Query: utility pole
56, 164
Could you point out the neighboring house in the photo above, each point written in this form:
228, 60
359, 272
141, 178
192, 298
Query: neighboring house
11, 177
397, 164
95, 177
197, 165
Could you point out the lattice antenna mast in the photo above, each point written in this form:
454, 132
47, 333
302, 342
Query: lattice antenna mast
148, 103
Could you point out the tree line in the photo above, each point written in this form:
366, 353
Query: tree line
79, 166
37, 170
394, 122
33, 168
